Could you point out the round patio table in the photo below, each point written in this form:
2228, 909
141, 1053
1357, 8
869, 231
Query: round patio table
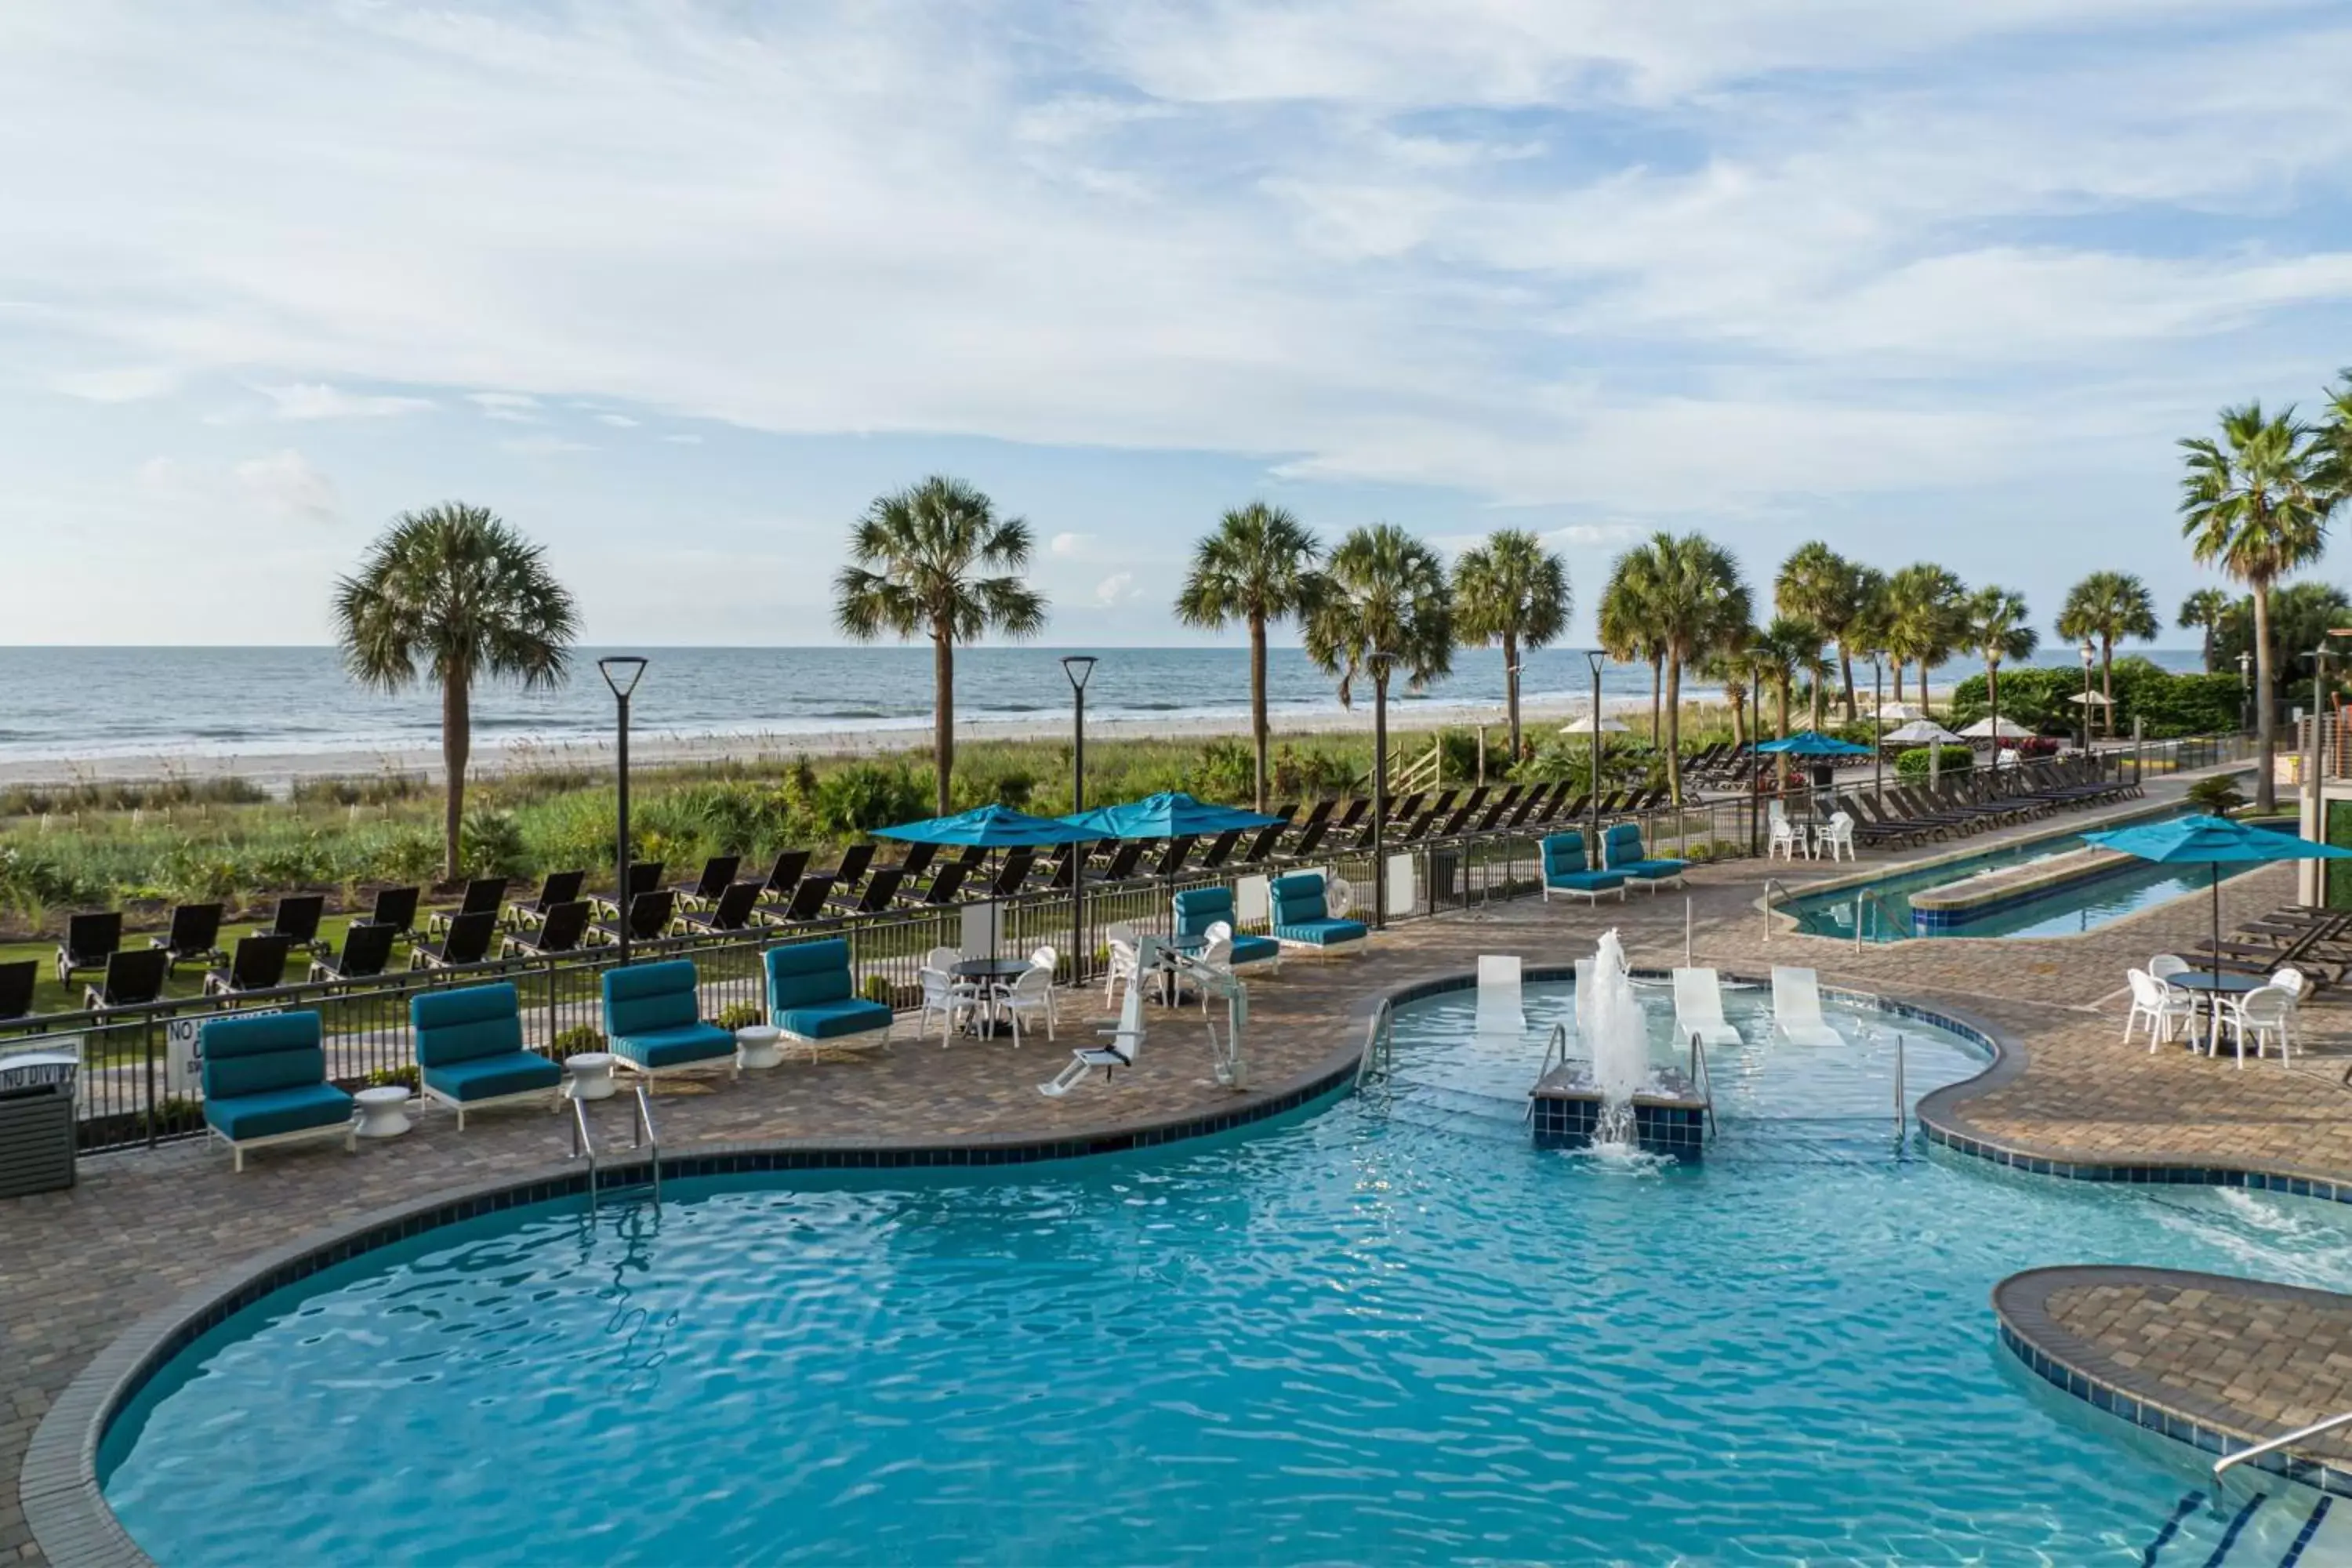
755, 1045
2214, 988
383, 1112
996, 972
591, 1075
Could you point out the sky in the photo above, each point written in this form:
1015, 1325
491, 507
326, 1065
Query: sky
678, 287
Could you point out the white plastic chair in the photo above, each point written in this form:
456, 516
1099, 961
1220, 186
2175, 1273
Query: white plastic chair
1218, 955
1032, 996
2165, 966
944, 994
1837, 836
1785, 837
2157, 1006
2266, 1012
1121, 939
1797, 1008
1698, 1008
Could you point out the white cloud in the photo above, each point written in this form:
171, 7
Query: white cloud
684, 440
509, 406
286, 485
316, 400
1072, 544
618, 421
543, 446
131, 383
1598, 535
1119, 585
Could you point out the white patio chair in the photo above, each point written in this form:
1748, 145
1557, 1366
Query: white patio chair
2165, 966
1786, 839
2158, 1006
944, 993
1029, 996
1797, 1008
1698, 1008
2267, 1012
1121, 939
1218, 955
1048, 958
1837, 836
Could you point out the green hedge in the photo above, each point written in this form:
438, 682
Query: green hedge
1915, 763
2171, 705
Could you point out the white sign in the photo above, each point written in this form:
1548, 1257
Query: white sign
183, 1050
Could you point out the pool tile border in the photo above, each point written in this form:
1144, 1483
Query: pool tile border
2077, 1367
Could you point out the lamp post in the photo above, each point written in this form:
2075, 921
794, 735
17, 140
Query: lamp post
1755, 772
2090, 656
1596, 657
1079, 668
1381, 664
2245, 690
622, 672
1877, 729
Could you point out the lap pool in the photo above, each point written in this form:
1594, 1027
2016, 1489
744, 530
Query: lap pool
1386, 1329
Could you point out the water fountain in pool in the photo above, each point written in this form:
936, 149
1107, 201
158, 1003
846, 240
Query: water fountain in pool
1618, 1036
1616, 1102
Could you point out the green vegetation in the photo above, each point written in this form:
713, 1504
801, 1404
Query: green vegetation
2171, 705
2105, 608
1920, 761
1259, 567
2219, 795
1684, 595
1513, 591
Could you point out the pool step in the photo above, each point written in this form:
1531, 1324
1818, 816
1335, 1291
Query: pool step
2290, 1527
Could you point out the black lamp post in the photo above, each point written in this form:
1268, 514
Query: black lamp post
1381, 664
1597, 658
2090, 657
2245, 691
622, 672
1079, 668
1755, 769
1877, 729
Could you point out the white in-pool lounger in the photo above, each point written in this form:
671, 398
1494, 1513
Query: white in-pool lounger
1797, 1009
1698, 1008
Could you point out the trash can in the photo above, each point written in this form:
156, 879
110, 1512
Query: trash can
36, 1120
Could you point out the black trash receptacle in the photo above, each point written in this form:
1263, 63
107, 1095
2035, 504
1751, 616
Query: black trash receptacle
36, 1121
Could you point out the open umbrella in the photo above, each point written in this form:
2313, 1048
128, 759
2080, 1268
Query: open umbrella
993, 826
2212, 841
1584, 726
2086, 699
1172, 814
1812, 744
1983, 730
1895, 712
1922, 733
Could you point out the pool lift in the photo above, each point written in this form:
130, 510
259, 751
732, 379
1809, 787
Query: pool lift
1229, 1057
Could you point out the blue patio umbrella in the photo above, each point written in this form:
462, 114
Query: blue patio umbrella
2212, 841
1812, 744
991, 827
1171, 814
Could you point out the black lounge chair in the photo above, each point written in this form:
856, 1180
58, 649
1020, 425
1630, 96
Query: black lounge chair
91, 942
557, 887
194, 937
786, 875
562, 930
917, 860
807, 902
717, 876
1319, 823
947, 886
1219, 848
731, 912
297, 919
1123, 861
367, 952
132, 980
855, 862
483, 895
879, 889
649, 917
257, 965
644, 877
1172, 859
1012, 872
397, 907
16, 981
464, 939
1269, 837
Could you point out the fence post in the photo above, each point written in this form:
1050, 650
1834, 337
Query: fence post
147, 1034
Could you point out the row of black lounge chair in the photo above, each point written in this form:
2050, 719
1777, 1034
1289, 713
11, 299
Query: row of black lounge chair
1973, 802
561, 917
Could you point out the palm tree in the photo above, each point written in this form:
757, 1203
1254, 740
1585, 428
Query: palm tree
1384, 592
1818, 584
2206, 609
1692, 602
1624, 636
1257, 568
1923, 619
1513, 591
1733, 667
914, 559
1999, 627
454, 593
2251, 503
2107, 607
1781, 654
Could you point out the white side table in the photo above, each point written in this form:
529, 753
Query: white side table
591, 1075
755, 1045
383, 1112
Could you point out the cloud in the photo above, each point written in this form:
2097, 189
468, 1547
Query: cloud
1119, 585
1596, 535
1072, 544
509, 406
132, 383
618, 421
543, 446
285, 485
316, 400
684, 440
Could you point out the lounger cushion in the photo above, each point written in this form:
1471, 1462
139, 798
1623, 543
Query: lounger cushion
487, 1077
469, 1024
271, 1112
1256, 949
1198, 908
806, 974
1326, 932
1298, 899
646, 998
1563, 855
256, 1054
1586, 881
831, 1020
675, 1047
1654, 870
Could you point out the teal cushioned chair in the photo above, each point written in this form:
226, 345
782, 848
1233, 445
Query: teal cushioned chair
1566, 874
266, 1082
652, 1019
1620, 850
813, 997
469, 1050
1299, 920
1198, 908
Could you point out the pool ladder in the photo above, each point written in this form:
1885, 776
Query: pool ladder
584, 1142
1867, 899
1379, 1044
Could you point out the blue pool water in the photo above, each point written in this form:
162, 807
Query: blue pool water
1386, 1329
2065, 911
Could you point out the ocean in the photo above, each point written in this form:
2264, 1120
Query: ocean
93, 703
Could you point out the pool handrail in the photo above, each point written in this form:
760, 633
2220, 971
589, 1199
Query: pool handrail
2315, 1429
1867, 898
644, 1120
583, 1144
1703, 1080
1380, 1042
1555, 1050
1786, 892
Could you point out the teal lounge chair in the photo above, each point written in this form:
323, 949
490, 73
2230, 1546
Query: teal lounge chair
469, 1050
1620, 850
813, 997
1566, 874
1198, 908
1299, 917
652, 1020
266, 1082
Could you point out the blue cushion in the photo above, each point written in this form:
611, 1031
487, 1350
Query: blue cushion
830, 1020
1564, 853
468, 1024
645, 997
1296, 897
1587, 881
1255, 948
1654, 869
1323, 933
272, 1111
485, 1078
254, 1054
675, 1047
807, 972
1198, 908
1620, 846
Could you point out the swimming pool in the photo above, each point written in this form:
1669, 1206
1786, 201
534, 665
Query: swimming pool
2063, 911
1385, 1328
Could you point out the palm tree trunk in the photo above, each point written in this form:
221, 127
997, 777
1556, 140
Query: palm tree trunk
1737, 698
1992, 701
2210, 627
2107, 680
456, 745
1818, 698
1656, 663
1846, 667
1511, 689
1923, 685
1781, 713
1898, 678
1675, 727
943, 713
1257, 704
2266, 714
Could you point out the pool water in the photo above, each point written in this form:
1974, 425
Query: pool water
2064, 911
1386, 1329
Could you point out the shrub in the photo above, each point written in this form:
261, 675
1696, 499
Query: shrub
739, 1016
386, 1078
490, 844
580, 1037
1920, 761
2217, 796
876, 989
867, 796
1225, 771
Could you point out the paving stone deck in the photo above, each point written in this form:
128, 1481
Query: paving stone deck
76, 1267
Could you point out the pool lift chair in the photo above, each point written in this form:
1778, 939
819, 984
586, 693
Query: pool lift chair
1229, 1059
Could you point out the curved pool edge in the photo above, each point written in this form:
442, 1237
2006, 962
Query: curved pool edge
2088, 1372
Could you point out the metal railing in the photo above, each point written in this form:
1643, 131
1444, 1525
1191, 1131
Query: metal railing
643, 1118
1772, 884
584, 1142
1555, 1055
1703, 1080
1379, 1044
2300, 1433
1872, 902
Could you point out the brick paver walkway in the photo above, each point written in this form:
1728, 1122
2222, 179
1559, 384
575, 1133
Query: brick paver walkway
76, 1267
